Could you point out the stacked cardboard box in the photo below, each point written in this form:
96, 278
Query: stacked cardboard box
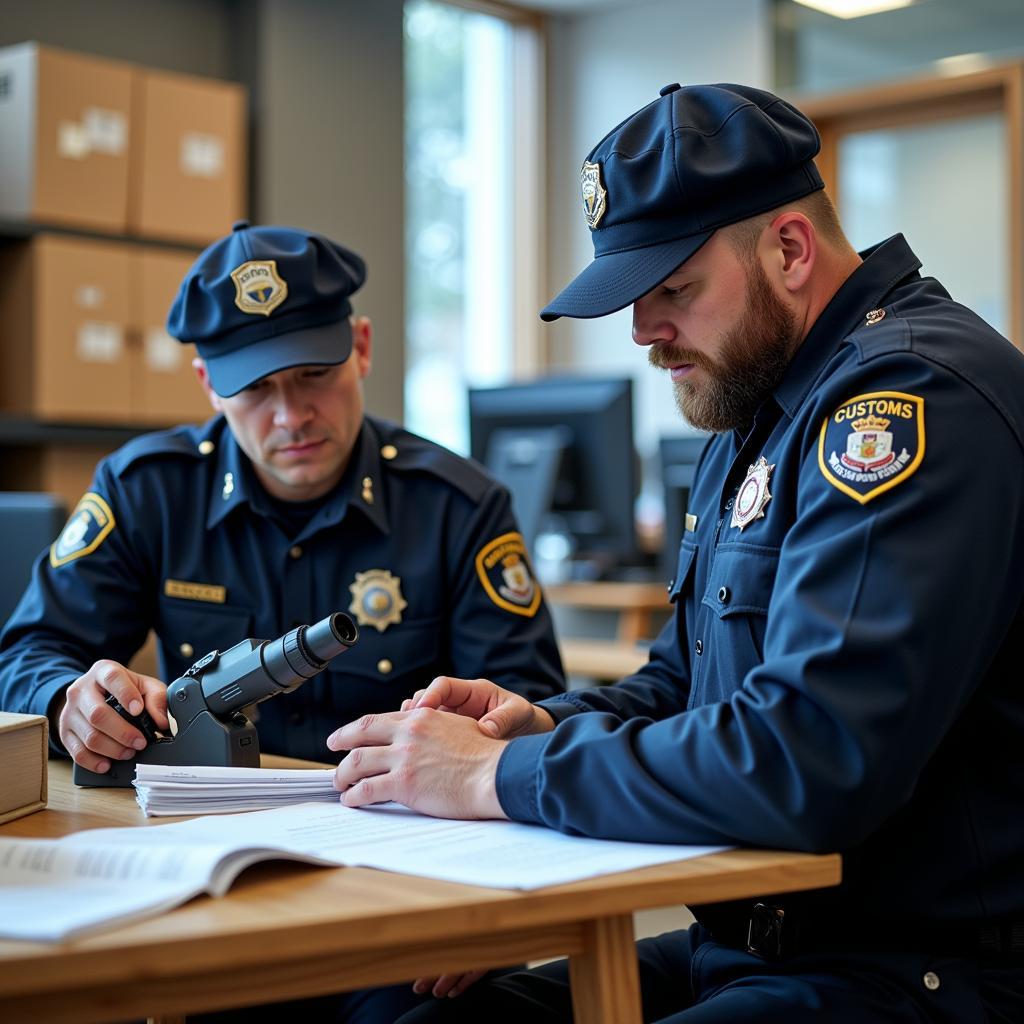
82, 334
109, 146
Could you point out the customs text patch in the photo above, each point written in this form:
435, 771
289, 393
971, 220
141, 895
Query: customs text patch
871, 443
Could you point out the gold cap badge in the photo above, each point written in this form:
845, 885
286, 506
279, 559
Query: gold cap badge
595, 198
259, 288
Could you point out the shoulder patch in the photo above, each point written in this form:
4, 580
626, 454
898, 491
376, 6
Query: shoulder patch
504, 571
872, 443
89, 526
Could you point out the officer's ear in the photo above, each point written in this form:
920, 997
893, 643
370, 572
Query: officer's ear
204, 382
792, 250
362, 345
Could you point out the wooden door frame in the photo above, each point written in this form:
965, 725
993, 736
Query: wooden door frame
925, 100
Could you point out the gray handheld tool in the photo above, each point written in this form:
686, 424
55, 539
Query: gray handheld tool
206, 701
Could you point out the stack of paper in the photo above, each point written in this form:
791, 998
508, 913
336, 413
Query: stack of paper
163, 790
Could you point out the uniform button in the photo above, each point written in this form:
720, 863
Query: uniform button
699, 647
205, 447
389, 451
724, 595
931, 981
666, 89
239, 225
295, 551
187, 650
384, 666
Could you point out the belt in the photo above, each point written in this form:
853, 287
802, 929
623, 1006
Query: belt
775, 932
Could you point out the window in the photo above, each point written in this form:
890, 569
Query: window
470, 187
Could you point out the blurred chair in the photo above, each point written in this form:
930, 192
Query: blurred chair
29, 523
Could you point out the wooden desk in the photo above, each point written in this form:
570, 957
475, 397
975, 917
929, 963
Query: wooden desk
287, 931
607, 660
635, 603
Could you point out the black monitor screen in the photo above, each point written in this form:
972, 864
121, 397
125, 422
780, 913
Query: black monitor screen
564, 448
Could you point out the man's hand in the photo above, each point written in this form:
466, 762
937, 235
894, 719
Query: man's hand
93, 732
431, 761
450, 985
499, 713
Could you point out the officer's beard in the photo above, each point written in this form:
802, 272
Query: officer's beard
752, 359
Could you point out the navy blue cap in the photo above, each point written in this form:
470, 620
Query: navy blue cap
659, 185
265, 299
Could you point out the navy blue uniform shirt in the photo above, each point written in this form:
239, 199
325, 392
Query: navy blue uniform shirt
418, 545
843, 671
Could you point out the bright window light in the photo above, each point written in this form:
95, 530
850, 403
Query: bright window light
854, 8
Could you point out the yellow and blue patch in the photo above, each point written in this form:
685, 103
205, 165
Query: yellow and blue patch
872, 443
504, 570
90, 524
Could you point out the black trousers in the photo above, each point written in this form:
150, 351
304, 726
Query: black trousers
687, 978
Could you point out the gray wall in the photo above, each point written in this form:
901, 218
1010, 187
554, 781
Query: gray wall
326, 114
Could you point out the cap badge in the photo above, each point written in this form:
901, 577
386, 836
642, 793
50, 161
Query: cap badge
258, 287
753, 494
377, 599
595, 198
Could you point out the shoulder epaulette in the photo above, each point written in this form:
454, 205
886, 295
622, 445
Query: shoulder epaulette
876, 337
409, 453
178, 442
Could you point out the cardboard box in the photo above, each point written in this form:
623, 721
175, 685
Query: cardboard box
188, 157
82, 335
164, 388
65, 317
22, 764
64, 137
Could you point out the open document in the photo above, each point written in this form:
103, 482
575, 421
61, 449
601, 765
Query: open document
53, 889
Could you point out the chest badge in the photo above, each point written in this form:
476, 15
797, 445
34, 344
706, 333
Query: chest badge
753, 494
377, 599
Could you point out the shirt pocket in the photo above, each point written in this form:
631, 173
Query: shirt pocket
738, 592
394, 664
684, 569
189, 629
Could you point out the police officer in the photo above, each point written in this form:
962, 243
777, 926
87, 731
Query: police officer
842, 671
290, 504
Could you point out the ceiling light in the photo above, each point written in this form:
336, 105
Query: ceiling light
854, 8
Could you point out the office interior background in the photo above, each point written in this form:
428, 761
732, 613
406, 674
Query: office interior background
442, 141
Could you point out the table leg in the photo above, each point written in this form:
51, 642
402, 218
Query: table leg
604, 977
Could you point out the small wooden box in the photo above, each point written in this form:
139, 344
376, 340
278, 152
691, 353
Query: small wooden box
22, 764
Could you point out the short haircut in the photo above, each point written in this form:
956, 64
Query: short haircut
817, 207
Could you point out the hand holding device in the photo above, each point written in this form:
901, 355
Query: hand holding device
206, 701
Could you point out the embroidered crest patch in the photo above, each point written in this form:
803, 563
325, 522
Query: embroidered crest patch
595, 198
504, 571
377, 599
84, 532
258, 287
871, 443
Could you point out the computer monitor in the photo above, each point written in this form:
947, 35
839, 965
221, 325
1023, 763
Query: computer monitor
678, 460
564, 448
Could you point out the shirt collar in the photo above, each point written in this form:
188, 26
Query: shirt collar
884, 266
235, 483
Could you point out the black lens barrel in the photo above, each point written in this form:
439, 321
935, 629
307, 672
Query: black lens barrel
304, 652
